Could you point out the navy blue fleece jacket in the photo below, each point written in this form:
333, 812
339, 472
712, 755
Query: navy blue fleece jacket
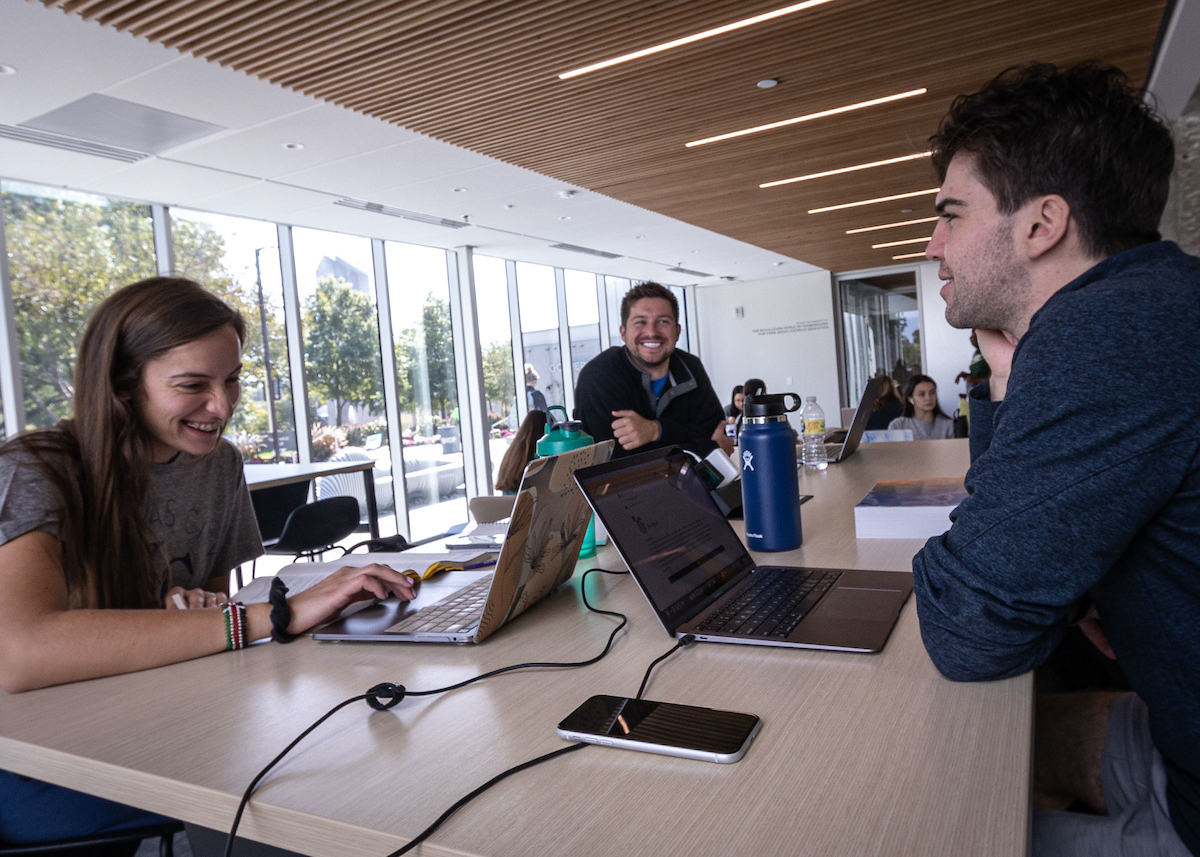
1086, 480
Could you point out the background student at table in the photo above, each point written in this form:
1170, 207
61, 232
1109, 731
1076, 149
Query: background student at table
112, 521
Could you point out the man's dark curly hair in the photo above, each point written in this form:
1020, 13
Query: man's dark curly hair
1083, 133
647, 290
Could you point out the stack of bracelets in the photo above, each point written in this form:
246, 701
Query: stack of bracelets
235, 625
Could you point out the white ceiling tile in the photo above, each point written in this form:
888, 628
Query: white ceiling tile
55, 167
60, 58
263, 200
164, 181
206, 91
327, 133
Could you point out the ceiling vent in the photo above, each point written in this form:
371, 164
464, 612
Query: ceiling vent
379, 208
689, 273
588, 250
70, 144
123, 124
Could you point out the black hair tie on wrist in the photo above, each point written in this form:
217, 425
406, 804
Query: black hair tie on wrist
281, 612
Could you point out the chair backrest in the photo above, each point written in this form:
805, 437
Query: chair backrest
319, 525
273, 505
487, 510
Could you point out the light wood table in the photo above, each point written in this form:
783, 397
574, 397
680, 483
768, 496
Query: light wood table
260, 476
858, 755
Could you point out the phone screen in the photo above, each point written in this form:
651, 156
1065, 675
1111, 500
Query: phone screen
661, 726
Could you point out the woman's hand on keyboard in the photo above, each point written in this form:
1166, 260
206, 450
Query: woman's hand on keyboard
344, 587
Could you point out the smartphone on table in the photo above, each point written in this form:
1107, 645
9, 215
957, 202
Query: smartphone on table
687, 731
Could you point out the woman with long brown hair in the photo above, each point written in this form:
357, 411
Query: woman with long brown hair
114, 519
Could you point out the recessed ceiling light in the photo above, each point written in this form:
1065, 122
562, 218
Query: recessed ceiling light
891, 225
769, 83
687, 40
873, 201
855, 168
460, 190
776, 264
924, 240
808, 117
6, 70
910, 256
295, 147
565, 217
568, 194
509, 206
638, 237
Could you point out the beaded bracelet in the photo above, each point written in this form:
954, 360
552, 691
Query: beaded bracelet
281, 612
235, 625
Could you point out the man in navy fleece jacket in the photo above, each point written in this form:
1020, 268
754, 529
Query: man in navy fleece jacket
1085, 478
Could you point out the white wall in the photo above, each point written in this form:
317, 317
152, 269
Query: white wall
945, 351
785, 337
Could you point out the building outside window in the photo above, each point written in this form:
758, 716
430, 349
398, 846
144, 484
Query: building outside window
426, 391
67, 252
238, 259
583, 317
342, 364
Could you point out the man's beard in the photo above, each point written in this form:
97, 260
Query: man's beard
997, 291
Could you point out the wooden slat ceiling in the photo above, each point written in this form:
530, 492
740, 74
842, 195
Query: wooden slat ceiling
482, 74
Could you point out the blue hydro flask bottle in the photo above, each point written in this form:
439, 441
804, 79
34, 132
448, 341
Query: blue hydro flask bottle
770, 488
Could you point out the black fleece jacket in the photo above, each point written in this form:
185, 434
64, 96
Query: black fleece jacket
688, 410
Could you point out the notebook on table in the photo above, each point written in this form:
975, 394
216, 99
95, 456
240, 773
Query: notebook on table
541, 546
700, 579
836, 452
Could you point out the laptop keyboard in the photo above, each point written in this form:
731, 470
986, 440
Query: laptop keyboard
456, 613
772, 604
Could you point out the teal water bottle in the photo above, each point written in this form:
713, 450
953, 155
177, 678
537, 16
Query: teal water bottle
563, 436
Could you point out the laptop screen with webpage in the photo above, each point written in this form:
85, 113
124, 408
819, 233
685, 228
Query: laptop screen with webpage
676, 542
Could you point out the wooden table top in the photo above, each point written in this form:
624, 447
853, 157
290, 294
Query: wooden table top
858, 754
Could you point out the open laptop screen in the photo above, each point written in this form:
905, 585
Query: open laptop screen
668, 530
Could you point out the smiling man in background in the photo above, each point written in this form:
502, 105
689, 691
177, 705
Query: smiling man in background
647, 394
1084, 485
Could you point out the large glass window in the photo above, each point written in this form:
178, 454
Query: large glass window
880, 330
539, 329
239, 260
336, 283
434, 478
583, 318
67, 251
615, 289
496, 345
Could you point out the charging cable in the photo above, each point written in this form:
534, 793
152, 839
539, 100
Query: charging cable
383, 696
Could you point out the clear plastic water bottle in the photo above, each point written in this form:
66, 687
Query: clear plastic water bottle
814, 435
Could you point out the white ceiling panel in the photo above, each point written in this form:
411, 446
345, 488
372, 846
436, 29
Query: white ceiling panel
168, 182
338, 218
263, 200
60, 58
205, 91
56, 167
327, 133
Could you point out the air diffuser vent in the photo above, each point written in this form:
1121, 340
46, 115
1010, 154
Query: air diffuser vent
588, 250
379, 208
690, 273
60, 141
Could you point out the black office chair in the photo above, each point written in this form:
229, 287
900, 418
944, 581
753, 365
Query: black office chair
316, 527
103, 844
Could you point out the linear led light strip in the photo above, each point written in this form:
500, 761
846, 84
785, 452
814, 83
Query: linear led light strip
924, 240
808, 117
687, 40
891, 225
875, 200
910, 256
855, 168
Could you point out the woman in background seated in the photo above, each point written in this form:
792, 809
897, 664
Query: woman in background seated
521, 451
734, 409
922, 414
118, 527
888, 405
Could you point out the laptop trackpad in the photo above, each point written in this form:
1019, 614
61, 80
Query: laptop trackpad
856, 619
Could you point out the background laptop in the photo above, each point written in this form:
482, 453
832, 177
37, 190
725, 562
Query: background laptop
836, 452
699, 578
541, 547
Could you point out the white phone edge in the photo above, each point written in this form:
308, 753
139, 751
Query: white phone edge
664, 749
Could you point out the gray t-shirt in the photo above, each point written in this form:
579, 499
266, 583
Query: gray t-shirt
942, 428
200, 512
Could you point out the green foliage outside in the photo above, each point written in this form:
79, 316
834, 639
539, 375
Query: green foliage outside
498, 383
426, 386
341, 348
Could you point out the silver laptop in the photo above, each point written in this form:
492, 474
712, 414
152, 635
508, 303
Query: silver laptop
541, 546
699, 578
836, 452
